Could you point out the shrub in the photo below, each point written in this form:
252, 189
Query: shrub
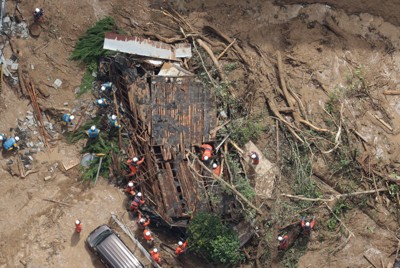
208, 235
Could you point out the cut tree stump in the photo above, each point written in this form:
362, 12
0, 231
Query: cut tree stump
263, 174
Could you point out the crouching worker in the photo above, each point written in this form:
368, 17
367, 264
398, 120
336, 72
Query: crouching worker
137, 201
134, 163
143, 221
307, 226
155, 255
11, 143
283, 242
207, 152
181, 248
93, 132
67, 119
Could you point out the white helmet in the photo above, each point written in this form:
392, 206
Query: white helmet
135, 159
142, 220
215, 165
1, 137
139, 194
155, 250
93, 127
100, 101
206, 158
130, 184
113, 117
254, 155
307, 224
148, 233
16, 138
180, 243
37, 10
72, 117
77, 222
103, 88
280, 238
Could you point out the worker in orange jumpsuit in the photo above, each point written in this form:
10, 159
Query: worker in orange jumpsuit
307, 225
181, 248
155, 255
78, 226
283, 242
216, 169
137, 201
147, 236
255, 159
143, 221
134, 163
130, 190
207, 152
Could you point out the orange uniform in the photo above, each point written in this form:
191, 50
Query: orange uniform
143, 221
284, 243
147, 236
155, 256
181, 249
137, 201
78, 227
307, 226
133, 165
217, 170
207, 152
130, 189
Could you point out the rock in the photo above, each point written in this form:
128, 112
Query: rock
29, 117
43, 91
29, 112
57, 83
14, 66
32, 67
30, 157
223, 114
65, 103
77, 90
47, 178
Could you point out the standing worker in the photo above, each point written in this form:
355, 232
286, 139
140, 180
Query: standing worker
106, 88
11, 143
155, 255
137, 201
216, 169
3, 138
93, 132
67, 119
78, 226
255, 159
38, 14
113, 121
130, 189
307, 226
147, 236
283, 243
207, 152
103, 102
133, 165
181, 248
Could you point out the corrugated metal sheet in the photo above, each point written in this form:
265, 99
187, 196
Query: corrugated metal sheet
146, 47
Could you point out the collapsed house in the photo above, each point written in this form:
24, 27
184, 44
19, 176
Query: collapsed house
172, 113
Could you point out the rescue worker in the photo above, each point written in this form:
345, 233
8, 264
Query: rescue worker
3, 138
106, 88
307, 226
11, 143
155, 256
67, 119
147, 236
207, 152
255, 159
103, 102
137, 201
143, 221
181, 248
38, 14
130, 190
133, 165
283, 242
78, 226
114, 122
93, 132
216, 169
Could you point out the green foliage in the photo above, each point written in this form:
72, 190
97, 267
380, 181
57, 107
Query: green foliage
245, 129
90, 46
229, 67
292, 256
88, 79
341, 207
208, 235
393, 190
241, 183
